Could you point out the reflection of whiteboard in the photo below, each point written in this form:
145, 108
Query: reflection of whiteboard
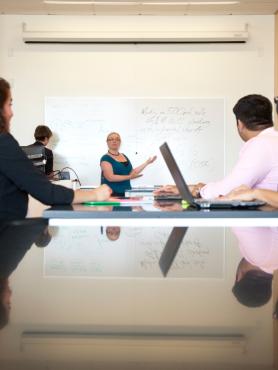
194, 129
86, 252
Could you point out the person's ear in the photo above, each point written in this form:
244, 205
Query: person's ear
240, 125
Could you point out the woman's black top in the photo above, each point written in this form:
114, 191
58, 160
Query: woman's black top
18, 178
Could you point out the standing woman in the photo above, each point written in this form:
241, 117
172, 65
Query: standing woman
116, 168
18, 176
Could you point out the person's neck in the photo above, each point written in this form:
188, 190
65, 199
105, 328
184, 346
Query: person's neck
245, 267
251, 134
254, 133
113, 152
42, 142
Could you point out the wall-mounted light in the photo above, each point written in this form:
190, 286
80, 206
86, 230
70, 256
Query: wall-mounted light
68, 2
168, 3
191, 3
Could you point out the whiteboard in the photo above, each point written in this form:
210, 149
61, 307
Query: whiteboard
193, 127
87, 252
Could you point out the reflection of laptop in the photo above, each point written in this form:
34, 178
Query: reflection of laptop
186, 194
171, 249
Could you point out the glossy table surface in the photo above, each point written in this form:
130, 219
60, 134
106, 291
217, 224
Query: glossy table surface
125, 297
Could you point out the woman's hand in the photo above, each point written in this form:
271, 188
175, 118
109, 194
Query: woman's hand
151, 160
103, 192
140, 168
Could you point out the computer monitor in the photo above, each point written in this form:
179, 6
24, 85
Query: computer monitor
36, 153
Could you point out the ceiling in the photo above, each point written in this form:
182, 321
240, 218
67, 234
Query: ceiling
39, 7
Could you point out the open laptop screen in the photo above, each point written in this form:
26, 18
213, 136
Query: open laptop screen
176, 173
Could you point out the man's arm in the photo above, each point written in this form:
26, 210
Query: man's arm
252, 167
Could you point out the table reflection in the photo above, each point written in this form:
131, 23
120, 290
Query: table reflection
259, 249
199, 288
16, 238
123, 252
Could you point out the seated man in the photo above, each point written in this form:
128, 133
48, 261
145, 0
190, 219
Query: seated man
42, 136
257, 166
243, 192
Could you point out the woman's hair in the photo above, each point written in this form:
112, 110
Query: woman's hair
4, 314
4, 94
113, 133
42, 132
254, 111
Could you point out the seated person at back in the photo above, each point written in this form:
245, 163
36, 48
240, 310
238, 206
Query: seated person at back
42, 136
116, 168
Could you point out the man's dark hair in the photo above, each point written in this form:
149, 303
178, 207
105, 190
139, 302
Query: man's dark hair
255, 112
42, 132
254, 289
276, 103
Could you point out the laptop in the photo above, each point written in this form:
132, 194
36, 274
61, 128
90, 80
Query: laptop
188, 197
171, 249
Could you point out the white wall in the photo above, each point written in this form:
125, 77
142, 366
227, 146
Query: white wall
228, 71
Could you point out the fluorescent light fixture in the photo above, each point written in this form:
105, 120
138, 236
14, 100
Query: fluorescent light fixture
213, 3
191, 3
68, 2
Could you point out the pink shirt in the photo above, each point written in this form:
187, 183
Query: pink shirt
257, 166
259, 246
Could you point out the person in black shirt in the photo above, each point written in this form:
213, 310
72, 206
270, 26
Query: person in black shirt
42, 136
18, 176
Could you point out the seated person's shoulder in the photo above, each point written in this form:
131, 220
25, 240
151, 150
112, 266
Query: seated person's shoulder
48, 152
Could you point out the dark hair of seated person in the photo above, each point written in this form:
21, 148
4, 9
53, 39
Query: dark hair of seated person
42, 132
254, 111
254, 289
4, 313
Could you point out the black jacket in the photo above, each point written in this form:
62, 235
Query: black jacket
49, 158
18, 178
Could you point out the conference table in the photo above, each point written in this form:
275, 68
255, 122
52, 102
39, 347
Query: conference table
150, 286
163, 213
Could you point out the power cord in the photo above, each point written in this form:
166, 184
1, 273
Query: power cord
58, 173
71, 169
